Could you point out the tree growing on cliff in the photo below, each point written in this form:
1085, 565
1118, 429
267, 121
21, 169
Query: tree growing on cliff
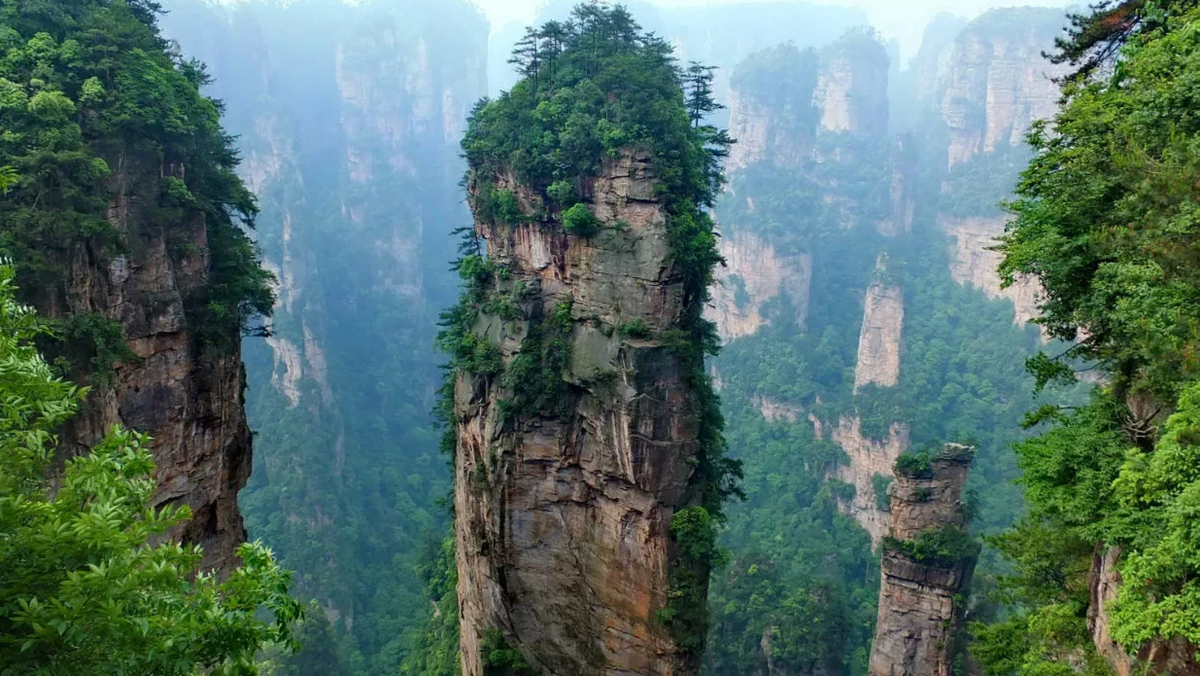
1095, 38
614, 91
83, 588
1105, 220
91, 98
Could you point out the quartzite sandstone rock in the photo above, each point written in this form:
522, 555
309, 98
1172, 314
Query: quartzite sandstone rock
562, 520
188, 399
917, 628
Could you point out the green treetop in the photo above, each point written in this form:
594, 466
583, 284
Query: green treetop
1106, 221
90, 91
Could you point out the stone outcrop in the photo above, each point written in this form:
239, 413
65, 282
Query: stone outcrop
879, 339
777, 411
973, 262
562, 517
852, 93
916, 633
865, 459
761, 134
753, 274
188, 399
996, 83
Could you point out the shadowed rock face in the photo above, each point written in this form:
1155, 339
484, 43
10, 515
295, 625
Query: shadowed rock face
915, 634
562, 519
189, 401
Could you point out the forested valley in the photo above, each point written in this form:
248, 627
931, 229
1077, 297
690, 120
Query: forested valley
378, 338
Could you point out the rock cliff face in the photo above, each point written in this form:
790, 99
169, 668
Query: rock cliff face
562, 519
189, 399
754, 274
852, 94
879, 341
973, 262
919, 617
986, 88
1176, 657
996, 82
866, 460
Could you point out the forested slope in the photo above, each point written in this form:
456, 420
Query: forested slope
1106, 559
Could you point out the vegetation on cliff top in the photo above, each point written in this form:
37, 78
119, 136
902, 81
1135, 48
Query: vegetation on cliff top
1105, 220
90, 97
592, 88
84, 588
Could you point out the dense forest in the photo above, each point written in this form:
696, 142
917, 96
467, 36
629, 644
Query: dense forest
593, 348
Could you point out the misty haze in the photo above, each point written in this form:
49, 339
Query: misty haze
586, 338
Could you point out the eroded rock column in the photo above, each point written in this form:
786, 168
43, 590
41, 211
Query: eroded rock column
564, 505
928, 559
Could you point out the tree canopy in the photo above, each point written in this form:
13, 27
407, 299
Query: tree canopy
90, 96
1106, 221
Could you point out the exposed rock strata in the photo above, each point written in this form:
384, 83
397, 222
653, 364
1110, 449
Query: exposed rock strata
866, 458
973, 262
995, 86
562, 518
852, 95
189, 400
760, 135
879, 339
916, 631
752, 275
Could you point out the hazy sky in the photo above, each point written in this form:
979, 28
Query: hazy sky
902, 19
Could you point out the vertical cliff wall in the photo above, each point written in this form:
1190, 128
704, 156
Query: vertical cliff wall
927, 563
186, 395
983, 91
562, 517
125, 222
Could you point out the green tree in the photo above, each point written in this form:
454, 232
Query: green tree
1105, 220
84, 589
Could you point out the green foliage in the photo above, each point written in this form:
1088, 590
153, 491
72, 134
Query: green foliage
802, 622
493, 205
879, 486
694, 536
85, 588
563, 193
8, 177
1157, 495
92, 86
1105, 221
594, 88
97, 344
580, 221
637, 329
501, 659
435, 645
918, 465
978, 186
944, 547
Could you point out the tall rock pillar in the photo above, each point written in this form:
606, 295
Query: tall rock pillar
928, 559
578, 449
